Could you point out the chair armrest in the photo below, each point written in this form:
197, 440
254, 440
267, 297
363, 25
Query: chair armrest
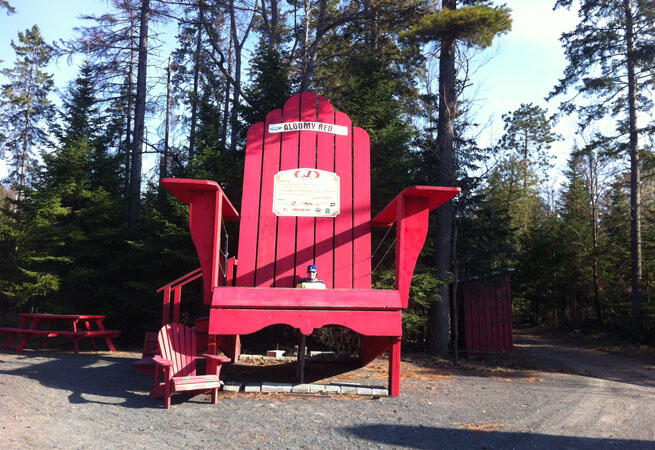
435, 195
186, 191
208, 208
162, 361
218, 358
410, 211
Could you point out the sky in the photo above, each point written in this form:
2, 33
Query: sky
520, 67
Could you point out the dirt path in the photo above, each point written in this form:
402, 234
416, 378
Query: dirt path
578, 354
95, 400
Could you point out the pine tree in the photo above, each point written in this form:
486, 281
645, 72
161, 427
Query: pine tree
475, 26
528, 135
611, 56
269, 85
24, 106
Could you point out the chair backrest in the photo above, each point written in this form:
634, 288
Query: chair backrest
275, 250
177, 343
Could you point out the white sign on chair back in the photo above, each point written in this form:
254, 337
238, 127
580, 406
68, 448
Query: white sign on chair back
306, 193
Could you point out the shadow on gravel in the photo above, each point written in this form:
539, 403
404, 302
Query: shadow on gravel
91, 378
419, 437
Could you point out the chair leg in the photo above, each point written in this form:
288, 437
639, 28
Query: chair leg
167, 396
215, 396
394, 368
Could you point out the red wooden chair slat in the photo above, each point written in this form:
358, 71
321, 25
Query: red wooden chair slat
343, 236
250, 205
265, 265
307, 159
286, 226
325, 225
361, 210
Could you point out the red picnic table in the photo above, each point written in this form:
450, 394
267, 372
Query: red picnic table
29, 321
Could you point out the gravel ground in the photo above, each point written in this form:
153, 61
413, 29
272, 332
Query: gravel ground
58, 399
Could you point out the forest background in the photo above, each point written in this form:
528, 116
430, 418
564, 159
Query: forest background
84, 226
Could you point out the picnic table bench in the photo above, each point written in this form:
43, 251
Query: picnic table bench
29, 322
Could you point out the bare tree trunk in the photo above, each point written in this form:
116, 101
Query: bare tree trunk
139, 120
226, 105
194, 98
454, 302
635, 212
234, 113
26, 137
274, 24
128, 131
309, 51
445, 177
163, 168
593, 197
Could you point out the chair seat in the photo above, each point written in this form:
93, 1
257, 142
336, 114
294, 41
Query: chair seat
195, 382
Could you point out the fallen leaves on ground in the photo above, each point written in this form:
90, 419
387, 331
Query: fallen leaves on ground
481, 427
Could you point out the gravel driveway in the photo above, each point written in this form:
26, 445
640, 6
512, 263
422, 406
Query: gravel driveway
55, 399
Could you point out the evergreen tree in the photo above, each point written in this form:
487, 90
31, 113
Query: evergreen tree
528, 136
24, 106
80, 110
611, 57
475, 26
269, 85
372, 79
615, 266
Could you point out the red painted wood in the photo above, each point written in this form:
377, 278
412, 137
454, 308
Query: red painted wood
250, 205
229, 279
411, 231
246, 321
230, 345
204, 217
361, 209
177, 298
394, 368
188, 190
275, 250
208, 206
499, 319
475, 321
437, 196
343, 232
286, 226
508, 314
239, 297
265, 268
42, 317
370, 347
307, 159
177, 362
325, 225
30, 321
487, 315
175, 286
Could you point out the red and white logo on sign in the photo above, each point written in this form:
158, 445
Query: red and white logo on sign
305, 173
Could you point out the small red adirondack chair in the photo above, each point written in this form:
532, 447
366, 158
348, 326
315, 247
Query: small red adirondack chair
177, 364
306, 200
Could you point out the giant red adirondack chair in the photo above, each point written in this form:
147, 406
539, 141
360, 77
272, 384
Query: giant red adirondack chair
309, 139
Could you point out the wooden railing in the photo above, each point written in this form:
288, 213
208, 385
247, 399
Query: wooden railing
175, 287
